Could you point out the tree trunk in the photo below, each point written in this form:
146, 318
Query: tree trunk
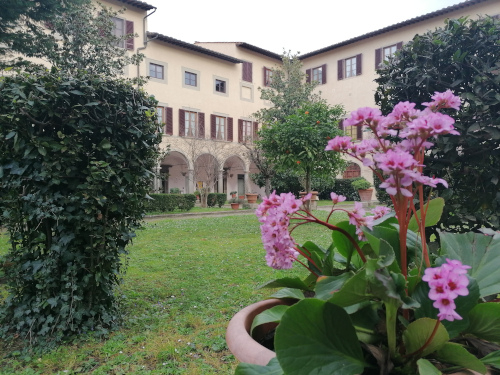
308, 188
267, 188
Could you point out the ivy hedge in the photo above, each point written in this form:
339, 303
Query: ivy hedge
76, 155
170, 202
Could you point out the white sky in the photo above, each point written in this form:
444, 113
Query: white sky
277, 25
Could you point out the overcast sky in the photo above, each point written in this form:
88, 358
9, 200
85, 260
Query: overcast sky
275, 25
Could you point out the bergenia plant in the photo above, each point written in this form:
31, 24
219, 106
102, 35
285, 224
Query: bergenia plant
381, 302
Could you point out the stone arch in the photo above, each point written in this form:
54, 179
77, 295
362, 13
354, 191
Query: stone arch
174, 172
352, 170
234, 175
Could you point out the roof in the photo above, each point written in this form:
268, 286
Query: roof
396, 26
138, 4
259, 50
192, 47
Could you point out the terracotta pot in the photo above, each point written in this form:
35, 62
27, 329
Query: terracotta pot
365, 195
238, 338
235, 206
251, 197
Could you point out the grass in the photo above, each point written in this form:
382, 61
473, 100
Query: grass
186, 278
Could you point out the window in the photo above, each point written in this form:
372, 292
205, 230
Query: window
317, 74
383, 54
268, 76
221, 128
247, 130
355, 132
190, 79
191, 123
121, 28
349, 67
164, 119
353, 170
160, 115
220, 86
247, 71
156, 71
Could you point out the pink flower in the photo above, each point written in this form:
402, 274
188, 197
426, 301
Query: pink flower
339, 144
380, 211
444, 100
365, 114
337, 198
357, 217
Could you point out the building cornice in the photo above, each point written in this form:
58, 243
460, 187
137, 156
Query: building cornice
259, 50
138, 4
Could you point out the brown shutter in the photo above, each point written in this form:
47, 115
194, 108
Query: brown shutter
129, 29
230, 129
255, 130
399, 45
341, 124
201, 125
323, 68
182, 123
340, 69
240, 131
308, 75
213, 130
358, 65
378, 58
247, 71
169, 124
359, 132
266, 83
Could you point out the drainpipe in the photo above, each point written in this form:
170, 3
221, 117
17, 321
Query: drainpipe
145, 41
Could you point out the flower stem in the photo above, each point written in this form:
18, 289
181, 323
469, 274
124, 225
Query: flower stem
391, 314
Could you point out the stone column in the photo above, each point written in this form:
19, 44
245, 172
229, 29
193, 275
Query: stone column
220, 182
190, 184
247, 181
156, 179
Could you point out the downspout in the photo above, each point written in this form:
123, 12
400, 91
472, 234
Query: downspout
145, 42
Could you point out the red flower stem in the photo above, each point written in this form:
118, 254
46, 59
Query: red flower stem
308, 258
310, 270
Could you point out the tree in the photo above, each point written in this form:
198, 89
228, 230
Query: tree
22, 27
463, 56
298, 143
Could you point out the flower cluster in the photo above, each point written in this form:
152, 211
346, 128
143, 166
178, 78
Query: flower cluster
400, 162
359, 218
274, 213
447, 283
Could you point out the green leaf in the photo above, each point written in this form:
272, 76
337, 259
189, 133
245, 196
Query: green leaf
77, 92
288, 293
320, 330
480, 252
432, 217
427, 368
326, 286
456, 354
485, 321
105, 144
42, 150
272, 368
418, 332
353, 291
286, 282
10, 135
492, 359
272, 315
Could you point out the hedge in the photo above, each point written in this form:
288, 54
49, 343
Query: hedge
170, 202
342, 187
216, 199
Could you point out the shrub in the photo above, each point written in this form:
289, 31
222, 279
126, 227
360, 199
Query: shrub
360, 184
216, 199
175, 191
170, 202
75, 167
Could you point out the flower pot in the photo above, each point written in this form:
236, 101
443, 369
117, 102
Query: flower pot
235, 206
251, 197
365, 195
238, 338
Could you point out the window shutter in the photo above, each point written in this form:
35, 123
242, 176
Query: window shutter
182, 123
240, 131
358, 65
399, 45
359, 132
340, 69
308, 75
264, 76
213, 130
129, 29
247, 71
323, 69
230, 129
201, 125
341, 124
169, 123
255, 130
378, 58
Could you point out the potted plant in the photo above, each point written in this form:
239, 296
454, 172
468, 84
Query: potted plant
363, 188
233, 194
252, 197
235, 203
197, 194
383, 303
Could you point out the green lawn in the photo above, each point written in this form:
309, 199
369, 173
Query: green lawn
186, 279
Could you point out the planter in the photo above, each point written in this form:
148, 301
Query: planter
235, 206
314, 198
251, 197
238, 338
365, 195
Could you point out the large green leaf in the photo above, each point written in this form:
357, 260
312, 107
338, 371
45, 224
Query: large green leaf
432, 217
492, 359
426, 368
342, 243
485, 321
272, 368
288, 293
287, 282
418, 332
326, 286
272, 315
456, 354
480, 252
317, 255
317, 337
355, 290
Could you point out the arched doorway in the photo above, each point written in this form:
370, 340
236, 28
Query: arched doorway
352, 170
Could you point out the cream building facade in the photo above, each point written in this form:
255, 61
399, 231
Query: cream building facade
207, 92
